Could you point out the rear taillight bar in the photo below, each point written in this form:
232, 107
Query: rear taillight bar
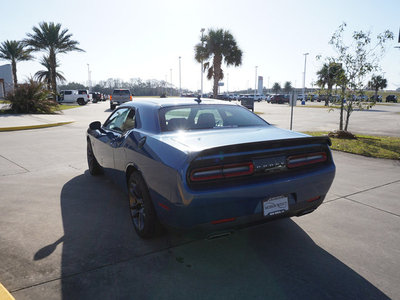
220, 172
306, 159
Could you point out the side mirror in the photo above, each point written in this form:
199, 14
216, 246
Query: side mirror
95, 125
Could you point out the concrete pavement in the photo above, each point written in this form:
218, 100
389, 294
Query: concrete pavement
32, 121
381, 120
68, 235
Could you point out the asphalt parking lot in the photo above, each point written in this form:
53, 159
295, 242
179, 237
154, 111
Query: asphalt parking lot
65, 234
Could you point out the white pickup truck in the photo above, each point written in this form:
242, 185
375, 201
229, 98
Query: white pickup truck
71, 96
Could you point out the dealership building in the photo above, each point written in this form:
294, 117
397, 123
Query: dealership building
6, 80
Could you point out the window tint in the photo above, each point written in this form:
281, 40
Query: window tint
121, 120
207, 117
121, 92
68, 92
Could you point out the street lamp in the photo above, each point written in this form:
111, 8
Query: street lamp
89, 81
171, 83
304, 77
201, 89
255, 85
180, 90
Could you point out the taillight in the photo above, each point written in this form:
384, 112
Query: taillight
110, 97
130, 97
305, 159
220, 172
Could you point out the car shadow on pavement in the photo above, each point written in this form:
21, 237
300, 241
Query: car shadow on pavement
103, 258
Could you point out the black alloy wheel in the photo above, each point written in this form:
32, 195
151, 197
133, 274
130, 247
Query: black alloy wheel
94, 167
143, 214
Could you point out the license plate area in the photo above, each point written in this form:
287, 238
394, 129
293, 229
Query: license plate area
275, 206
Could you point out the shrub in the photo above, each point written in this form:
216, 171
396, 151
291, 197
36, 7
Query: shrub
31, 97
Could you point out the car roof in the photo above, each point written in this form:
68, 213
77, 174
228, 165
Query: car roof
150, 106
168, 102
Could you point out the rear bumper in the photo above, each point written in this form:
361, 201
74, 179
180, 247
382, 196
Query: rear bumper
229, 226
203, 214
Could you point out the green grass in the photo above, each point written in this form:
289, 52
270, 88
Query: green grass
366, 145
64, 107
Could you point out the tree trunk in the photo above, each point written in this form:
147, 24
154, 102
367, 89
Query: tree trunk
52, 59
14, 71
217, 60
342, 108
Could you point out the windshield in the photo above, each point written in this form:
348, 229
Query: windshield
207, 117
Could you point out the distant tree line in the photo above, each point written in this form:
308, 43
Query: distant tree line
139, 87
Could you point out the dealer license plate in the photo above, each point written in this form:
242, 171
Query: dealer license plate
275, 206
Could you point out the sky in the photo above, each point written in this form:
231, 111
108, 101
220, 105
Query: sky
144, 39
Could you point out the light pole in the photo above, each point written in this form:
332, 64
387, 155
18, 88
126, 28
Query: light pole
201, 89
255, 85
304, 77
180, 90
89, 81
171, 83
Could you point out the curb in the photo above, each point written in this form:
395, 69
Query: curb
14, 128
4, 294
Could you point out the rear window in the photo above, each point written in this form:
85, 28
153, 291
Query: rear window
121, 92
207, 117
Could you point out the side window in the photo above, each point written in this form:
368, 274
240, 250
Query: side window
129, 121
68, 92
117, 120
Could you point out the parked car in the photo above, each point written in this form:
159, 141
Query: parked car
206, 167
96, 97
311, 97
119, 96
335, 99
378, 98
225, 97
256, 97
280, 99
391, 98
362, 98
234, 96
71, 96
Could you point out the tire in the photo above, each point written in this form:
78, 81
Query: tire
94, 167
112, 106
143, 214
81, 101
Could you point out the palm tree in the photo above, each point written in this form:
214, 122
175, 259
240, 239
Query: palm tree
44, 75
14, 51
50, 38
330, 75
215, 46
377, 83
287, 87
276, 87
